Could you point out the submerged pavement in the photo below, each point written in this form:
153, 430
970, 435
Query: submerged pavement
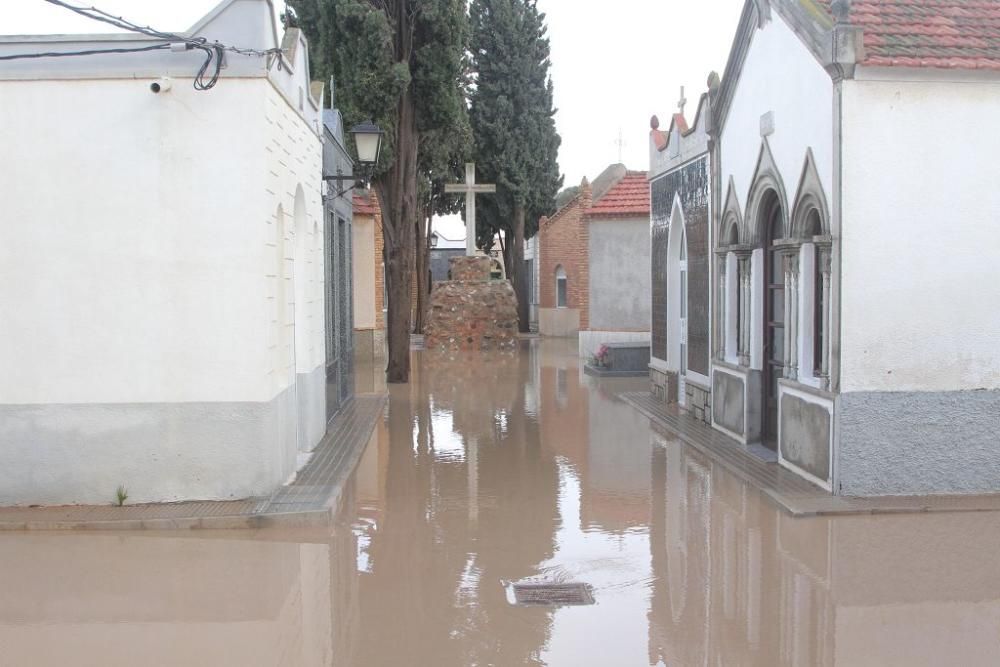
505, 468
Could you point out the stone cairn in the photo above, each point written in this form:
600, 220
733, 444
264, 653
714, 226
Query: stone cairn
470, 312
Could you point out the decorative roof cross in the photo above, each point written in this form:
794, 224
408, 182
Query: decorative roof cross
682, 102
620, 143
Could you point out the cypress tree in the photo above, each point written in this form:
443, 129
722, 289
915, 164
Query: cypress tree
401, 64
513, 125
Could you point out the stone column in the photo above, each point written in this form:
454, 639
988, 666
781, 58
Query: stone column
792, 314
745, 287
720, 306
824, 260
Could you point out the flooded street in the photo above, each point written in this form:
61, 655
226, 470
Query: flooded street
508, 468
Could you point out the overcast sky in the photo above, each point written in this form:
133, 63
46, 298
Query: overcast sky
613, 64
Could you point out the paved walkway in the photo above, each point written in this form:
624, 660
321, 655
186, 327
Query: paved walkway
308, 501
788, 490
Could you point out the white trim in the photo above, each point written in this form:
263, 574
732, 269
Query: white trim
826, 403
658, 365
918, 74
675, 236
698, 380
725, 431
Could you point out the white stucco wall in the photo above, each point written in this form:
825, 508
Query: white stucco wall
920, 296
129, 251
169, 314
294, 165
780, 75
619, 282
140, 277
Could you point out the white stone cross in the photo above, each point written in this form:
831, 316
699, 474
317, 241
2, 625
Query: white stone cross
681, 103
470, 189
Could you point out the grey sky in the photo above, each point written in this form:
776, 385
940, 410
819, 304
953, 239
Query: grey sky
613, 64
39, 17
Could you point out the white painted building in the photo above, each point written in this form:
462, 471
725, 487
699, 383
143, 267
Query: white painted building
854, 294
161, 267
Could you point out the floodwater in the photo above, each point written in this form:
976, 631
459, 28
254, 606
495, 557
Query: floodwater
513, 467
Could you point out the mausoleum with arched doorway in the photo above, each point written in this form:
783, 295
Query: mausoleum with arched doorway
846, 330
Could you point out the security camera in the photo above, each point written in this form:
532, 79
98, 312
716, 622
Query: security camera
161, 85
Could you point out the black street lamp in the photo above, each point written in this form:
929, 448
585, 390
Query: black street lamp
368, 141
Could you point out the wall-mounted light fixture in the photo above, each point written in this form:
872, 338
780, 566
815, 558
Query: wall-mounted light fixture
368, 141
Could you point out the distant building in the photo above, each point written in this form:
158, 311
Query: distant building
824, 246
594, 263
369, 277
162, 267
442, 250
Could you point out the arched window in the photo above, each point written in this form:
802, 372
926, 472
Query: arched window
733, 237
810, 227
813, 228
561, 288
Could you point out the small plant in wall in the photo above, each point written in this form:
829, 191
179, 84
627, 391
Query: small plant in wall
121, 495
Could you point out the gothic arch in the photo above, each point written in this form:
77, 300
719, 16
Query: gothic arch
732, 223
766, 180
676, 242
809, 198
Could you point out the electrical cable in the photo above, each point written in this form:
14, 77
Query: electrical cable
91, 52
214, 52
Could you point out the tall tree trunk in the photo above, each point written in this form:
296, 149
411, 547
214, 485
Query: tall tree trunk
397, 190
423, 266
516, 272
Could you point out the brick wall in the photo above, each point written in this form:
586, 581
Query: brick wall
564, 241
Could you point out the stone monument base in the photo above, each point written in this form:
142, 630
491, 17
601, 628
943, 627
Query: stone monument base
471, 312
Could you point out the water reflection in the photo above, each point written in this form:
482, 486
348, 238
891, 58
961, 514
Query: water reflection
142, 600
508, 467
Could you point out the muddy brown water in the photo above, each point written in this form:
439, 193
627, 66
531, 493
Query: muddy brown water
502, 469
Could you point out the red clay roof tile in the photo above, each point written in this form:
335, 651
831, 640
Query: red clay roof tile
365, 204
629, 197
947, 34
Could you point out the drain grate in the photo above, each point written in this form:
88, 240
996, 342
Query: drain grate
544, 594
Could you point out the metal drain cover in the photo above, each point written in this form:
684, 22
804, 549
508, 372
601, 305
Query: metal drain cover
547, 594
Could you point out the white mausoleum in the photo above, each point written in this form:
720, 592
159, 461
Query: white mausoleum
161, 267
828, 225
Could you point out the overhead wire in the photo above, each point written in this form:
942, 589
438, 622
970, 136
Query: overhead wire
214, 51
89, 52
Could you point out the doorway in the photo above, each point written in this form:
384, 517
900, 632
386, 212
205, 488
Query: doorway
774, 319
